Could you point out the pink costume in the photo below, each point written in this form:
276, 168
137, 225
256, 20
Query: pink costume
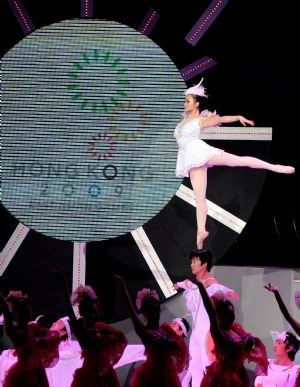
59, 375
198, 346
36, 348
69, 360
167, 357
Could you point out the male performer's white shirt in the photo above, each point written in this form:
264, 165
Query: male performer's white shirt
199, 357
278, 375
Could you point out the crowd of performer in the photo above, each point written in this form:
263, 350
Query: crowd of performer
83, 351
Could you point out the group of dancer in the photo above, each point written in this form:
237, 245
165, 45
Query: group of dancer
50, 357
218, 345
84, 351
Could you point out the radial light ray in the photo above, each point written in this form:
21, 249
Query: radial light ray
153, 261
149, 22
12, 246
197, 67
205, 21
215, 211
79, 267
79, 264
87, 8
21, 15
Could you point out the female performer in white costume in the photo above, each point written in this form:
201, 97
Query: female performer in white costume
195, 156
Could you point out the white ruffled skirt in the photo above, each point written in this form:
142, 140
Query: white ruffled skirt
193, 153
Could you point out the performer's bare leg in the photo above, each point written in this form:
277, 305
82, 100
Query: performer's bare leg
198, 178
231, 160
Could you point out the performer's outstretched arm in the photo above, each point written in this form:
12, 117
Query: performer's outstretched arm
215, 330
137, 324
70, 312
217, 120
295, 325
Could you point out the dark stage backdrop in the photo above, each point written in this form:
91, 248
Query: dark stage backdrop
91, 94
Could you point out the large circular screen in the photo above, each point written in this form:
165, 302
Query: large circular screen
88, 113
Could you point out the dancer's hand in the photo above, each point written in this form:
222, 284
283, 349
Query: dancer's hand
244, 121
271, 288
186, 285
232, 294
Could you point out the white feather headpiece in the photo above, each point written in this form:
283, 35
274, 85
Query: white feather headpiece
197, 90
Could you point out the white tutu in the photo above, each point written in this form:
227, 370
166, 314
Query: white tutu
193, 152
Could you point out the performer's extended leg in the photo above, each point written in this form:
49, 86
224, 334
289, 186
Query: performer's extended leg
198, 178
231, 160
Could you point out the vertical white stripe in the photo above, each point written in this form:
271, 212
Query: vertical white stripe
79, 263
79, 266
153, 262
12, 246
216, 212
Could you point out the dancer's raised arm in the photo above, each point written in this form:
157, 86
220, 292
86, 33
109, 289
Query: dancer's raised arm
77, 329
7, 316
62, 279
215, 330
137, 324
294, 323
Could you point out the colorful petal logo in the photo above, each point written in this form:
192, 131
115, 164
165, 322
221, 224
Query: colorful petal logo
80, 81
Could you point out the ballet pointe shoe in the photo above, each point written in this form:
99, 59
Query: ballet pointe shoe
284, 169
201, 236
